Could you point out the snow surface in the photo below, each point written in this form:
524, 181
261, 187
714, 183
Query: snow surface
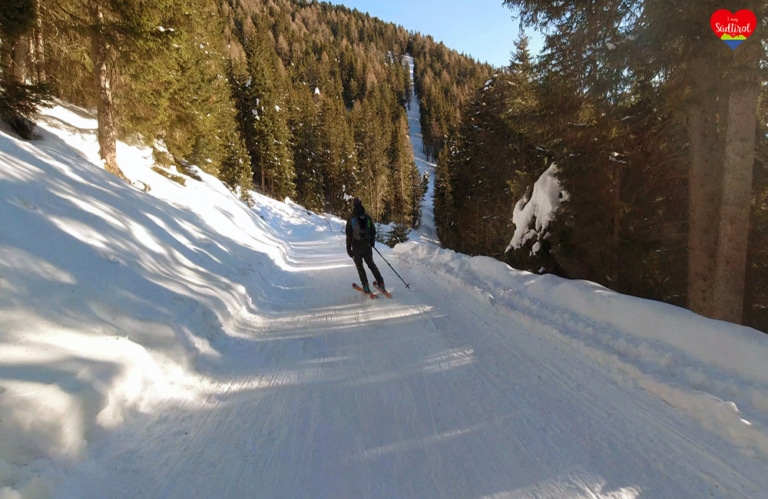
176, 343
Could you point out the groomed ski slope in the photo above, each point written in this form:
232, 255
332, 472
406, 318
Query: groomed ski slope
437, 393
177, 343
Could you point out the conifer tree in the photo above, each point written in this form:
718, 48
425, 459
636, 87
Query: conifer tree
179, 93
603, 47
102, 54
444, 205
263, 118
371, 152
235, 170
16, 20
402, 206
138, 29
18, 99
306, 131
335, 155
318, 92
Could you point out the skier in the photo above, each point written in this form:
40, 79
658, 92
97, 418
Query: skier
361, 238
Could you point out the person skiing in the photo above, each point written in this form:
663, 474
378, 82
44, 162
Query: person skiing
361, 238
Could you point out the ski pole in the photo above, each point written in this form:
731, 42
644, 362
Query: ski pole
391, 267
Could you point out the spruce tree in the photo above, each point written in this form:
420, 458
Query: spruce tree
335, 155
371, 152
179, 92
306, 133
404, 176
263, 116
136, 28
603, 47
18, 99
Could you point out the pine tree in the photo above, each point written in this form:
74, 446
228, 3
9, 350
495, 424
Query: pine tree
603, 47
444, 81
335, 156
371, 151
444, 205
306, 130
314, 91
402, 206
235, 170
17, 19
179, 93
102, 53
262, 116
134, 28
18, 99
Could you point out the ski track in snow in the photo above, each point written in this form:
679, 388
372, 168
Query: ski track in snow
437, 393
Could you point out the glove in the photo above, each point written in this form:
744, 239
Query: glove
349, 252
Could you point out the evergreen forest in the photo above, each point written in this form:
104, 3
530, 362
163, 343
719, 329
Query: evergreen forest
658, 129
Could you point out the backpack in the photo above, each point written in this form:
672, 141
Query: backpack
362, 228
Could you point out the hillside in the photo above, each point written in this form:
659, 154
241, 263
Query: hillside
176, 342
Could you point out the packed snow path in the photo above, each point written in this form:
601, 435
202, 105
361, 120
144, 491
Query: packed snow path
435, 393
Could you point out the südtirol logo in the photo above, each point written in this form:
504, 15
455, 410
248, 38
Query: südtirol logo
733, 28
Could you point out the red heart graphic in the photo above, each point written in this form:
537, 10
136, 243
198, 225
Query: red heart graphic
733, 28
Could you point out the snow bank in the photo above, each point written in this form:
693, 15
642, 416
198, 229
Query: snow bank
714, 370
109, 296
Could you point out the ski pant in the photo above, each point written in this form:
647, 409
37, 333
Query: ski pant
363, 252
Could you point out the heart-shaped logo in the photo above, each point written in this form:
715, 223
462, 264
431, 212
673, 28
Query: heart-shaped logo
733, 28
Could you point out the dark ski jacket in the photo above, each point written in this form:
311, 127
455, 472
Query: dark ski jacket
357, 211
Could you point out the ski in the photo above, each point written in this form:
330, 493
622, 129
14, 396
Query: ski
384, 291
358, 288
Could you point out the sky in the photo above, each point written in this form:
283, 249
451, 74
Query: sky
169, 340
483, 29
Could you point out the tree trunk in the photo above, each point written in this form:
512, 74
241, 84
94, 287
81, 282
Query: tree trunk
733, 236
100, 55
704, 184
39, 57
616, 271
20, 57
6, 62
